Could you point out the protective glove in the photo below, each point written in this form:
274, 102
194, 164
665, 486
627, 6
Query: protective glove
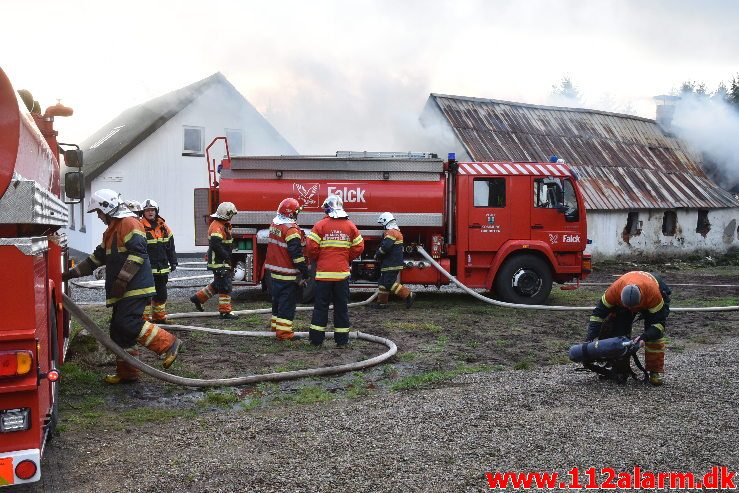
173, 268
119, 288
638, 340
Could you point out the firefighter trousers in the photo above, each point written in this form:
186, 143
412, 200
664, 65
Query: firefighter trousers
127, 329
390, 282
284, 300
327, 292
222, 285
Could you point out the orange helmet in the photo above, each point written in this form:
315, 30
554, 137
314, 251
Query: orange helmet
289, 208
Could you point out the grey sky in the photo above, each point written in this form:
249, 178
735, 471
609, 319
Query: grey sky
355, 74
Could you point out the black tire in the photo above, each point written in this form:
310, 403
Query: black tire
524, 279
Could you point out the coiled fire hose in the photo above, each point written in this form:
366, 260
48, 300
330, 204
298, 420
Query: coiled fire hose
480, 297
106, 341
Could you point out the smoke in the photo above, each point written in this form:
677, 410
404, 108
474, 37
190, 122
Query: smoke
712, 127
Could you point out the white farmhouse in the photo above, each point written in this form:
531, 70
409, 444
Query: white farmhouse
157, 150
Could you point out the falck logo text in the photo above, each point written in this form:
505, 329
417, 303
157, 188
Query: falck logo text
554, 238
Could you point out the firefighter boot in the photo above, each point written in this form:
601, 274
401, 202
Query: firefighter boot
124, 372
147, 313
654, 360
160, 341
403, 293
410, 299
170, 355
224, 307
196, 302
383, 295
273, 323
284, 329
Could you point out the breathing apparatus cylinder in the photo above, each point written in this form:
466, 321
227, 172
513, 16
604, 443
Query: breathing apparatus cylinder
603, 349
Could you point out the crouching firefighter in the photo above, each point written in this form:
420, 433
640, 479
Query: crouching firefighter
220, 244
162, 256
635, 294
390, 256
285, 264
129, 284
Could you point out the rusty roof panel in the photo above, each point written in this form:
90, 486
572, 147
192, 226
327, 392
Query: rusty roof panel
625, 162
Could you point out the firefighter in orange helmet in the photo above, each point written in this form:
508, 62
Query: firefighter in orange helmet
220, 244
162, 256
635, 293
334, 242
390, 256
128, 284
285, 264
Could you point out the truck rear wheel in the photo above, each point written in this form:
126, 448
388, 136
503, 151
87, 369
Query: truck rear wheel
524, 279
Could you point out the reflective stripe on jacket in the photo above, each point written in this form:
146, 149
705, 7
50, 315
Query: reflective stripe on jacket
220, 243
391, 250
124, 239
334, 242
160, 241
285, 252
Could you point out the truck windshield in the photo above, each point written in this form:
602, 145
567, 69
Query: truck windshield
556, 193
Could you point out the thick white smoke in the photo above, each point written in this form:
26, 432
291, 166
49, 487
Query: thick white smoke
712, 127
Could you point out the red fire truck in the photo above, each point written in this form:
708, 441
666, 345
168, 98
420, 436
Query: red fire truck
34, 327
512, 228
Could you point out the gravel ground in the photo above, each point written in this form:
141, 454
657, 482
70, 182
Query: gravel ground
547, 419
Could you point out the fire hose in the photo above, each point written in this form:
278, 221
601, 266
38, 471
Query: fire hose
106, 341
492, 301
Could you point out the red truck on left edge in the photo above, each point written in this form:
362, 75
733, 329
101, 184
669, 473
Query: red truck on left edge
34, 328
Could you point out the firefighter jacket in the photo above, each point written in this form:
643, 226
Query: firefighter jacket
160, 240
652, 305
220, 243
285, 252
390, 252
334, 242
124, 239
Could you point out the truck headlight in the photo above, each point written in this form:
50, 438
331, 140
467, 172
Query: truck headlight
15, 420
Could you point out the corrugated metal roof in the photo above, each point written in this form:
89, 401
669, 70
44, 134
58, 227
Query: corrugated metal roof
625, 162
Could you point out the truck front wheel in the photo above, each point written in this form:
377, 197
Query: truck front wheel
524, 279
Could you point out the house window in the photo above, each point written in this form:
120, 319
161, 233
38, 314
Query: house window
235, 139
669, 223
489, 192
192, 139
703, 226
633, 225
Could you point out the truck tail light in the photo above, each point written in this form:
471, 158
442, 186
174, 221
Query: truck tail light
26, 469
15, 420
15, 363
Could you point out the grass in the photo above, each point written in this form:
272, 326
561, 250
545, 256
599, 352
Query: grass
307, 395
434, 377
408, 356
438, 345
219, 398
143, 415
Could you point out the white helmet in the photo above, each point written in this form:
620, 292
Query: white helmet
387, 220
150, 204
225, 211
239, 271
106, 201
334, 207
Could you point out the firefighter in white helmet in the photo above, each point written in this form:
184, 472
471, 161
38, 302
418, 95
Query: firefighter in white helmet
162, 256
220, 244
129, 284
334, 242
135, 207
390, 257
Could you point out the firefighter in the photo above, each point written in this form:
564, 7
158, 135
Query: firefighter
129, 284
285, 263
635, 293
390, 256
135, 207
162, 256
220, 243
334, 242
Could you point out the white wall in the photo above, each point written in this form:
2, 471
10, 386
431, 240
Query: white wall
605, 229
157, 169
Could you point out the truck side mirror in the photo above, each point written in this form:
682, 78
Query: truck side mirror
73, 158
74, 186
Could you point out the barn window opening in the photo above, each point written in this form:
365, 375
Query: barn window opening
669, 223
703, 226
192, 141
633, 226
